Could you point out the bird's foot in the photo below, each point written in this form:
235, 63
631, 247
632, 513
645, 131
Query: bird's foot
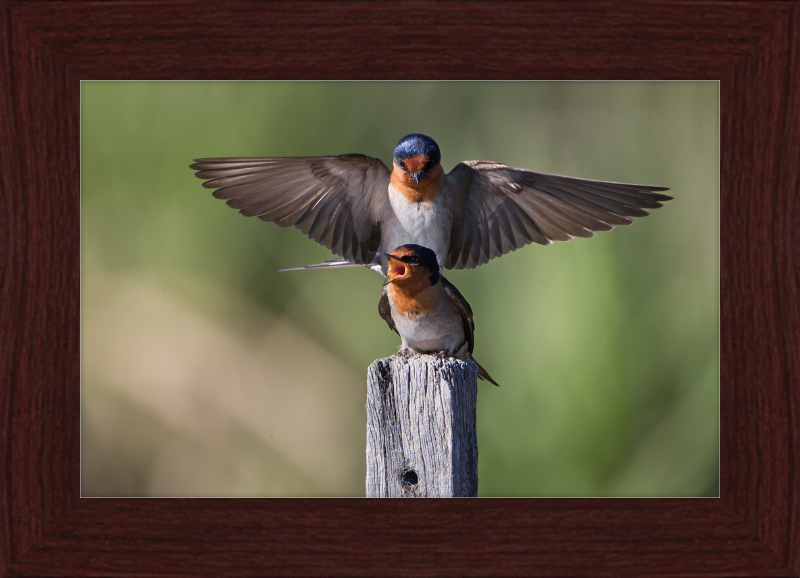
405, 353
440, 355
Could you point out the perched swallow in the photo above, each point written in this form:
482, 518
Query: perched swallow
359, 209
425, 309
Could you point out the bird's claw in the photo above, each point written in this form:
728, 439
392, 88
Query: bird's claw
405, 353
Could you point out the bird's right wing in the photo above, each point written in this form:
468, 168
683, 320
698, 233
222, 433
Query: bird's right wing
336, 201
385, 309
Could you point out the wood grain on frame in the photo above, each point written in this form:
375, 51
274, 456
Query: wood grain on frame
48, 47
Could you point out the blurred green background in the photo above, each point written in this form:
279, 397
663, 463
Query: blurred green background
205, 373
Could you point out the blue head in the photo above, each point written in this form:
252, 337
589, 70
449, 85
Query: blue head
416, 154
410, 262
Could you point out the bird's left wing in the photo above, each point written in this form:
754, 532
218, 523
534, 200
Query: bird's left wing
463, 308
469, 325
499, 208
337, 201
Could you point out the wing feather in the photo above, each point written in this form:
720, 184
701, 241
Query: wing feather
337, 201
464, 309
385, 309
499, 208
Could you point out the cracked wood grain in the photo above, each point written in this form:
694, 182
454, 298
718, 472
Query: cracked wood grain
421, 431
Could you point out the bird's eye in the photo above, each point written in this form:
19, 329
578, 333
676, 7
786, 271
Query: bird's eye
413, 259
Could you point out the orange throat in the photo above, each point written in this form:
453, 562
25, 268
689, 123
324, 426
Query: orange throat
413, 295
423, 192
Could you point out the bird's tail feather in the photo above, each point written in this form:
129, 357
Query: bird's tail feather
334, 264
329, 264
483, 374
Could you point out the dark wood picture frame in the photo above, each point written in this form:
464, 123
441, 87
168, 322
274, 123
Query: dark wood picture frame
750, 47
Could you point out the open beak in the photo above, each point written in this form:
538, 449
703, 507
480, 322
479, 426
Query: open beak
396, 268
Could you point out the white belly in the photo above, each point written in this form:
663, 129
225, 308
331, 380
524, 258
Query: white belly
424, 224
437, 330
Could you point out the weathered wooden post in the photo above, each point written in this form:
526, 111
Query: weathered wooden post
421, 435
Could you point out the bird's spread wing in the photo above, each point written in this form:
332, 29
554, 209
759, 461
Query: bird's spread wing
385, 309
337, 201
500, 208
463, 308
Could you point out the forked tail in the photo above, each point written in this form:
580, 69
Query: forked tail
483, 374
335, 264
